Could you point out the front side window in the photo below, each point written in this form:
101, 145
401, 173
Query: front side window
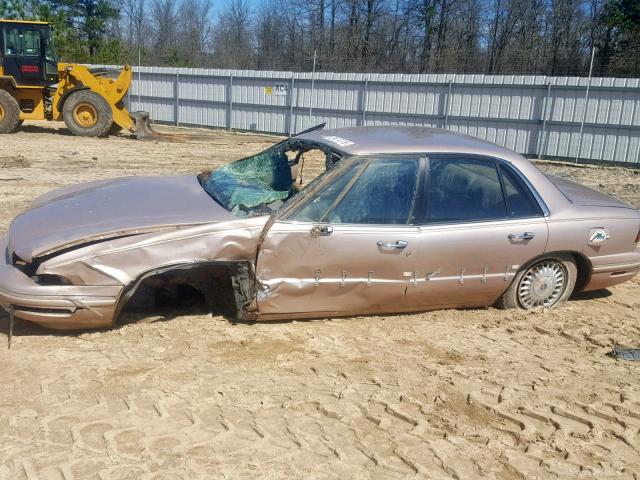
318, 207
21, 42
380, 192
460, 190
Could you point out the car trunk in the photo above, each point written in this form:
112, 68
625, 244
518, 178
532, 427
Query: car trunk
584, 196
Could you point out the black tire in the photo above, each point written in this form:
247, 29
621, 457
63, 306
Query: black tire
521, 289
9, 112
87, 114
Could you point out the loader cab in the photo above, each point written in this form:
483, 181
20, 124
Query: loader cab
27, 53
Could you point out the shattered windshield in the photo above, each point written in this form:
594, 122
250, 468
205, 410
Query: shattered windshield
252, 186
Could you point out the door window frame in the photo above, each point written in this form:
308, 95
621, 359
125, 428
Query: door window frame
499, 164
331, 175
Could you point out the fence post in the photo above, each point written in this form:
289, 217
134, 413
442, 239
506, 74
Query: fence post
365, 97
176, 91
447, 105
139, 85
230, 119
291, 91
586, 104
544, 121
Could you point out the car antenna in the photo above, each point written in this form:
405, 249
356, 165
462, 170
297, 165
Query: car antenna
312, 129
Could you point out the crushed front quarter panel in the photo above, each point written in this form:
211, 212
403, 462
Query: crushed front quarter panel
114, 265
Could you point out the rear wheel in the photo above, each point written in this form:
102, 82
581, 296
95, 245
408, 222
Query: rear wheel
87, 114
546, 283
9, 112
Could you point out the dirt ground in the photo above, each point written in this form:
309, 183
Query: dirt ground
450, 394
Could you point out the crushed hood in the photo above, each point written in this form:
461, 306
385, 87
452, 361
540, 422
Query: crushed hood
108, 209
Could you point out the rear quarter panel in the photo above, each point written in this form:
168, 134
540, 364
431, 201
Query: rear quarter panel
570, 230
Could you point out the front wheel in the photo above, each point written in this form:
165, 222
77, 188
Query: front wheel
9, 112
87, 114
546, 283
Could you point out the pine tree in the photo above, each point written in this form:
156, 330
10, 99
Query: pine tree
81, 29
90, 17
12, 9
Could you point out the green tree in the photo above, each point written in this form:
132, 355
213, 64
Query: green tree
12, 9
622, 19
82, 27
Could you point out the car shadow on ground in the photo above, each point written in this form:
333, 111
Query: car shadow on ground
593, 295
160, 315
23, 328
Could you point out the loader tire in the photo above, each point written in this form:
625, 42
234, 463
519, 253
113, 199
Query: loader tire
9, 112
87, 114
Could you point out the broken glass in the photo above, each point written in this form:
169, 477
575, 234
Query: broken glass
252, 185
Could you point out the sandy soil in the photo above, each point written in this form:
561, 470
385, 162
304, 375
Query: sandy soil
451, 394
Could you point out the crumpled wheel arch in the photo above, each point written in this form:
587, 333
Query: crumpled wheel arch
241, 275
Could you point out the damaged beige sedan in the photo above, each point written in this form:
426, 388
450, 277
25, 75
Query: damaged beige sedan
403, 219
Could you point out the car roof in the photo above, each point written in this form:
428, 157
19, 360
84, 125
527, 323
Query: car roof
404, 139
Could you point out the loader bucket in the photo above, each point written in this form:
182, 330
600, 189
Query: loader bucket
143, 128
145, 131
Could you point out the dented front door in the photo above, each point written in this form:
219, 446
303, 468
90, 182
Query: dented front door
336, 269
349, 247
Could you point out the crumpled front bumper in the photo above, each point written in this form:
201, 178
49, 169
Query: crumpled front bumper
64, 307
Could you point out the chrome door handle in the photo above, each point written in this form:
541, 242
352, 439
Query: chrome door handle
400, 244
321, 230
524, 236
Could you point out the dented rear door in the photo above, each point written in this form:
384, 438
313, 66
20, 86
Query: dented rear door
480, 224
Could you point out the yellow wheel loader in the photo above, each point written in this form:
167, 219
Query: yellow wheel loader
34, 86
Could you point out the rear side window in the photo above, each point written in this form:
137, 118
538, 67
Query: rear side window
520, 202
461, 190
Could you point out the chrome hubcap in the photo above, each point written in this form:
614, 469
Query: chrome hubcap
542, 285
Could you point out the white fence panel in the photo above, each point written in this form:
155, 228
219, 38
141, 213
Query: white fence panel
534, 115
